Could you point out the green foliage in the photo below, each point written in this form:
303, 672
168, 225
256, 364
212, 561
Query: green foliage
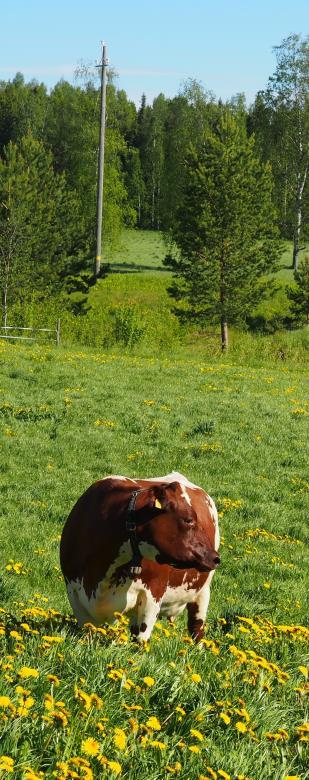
225, 229
280, 119
129, 326
299, 295
145, 416
72, 130
38, 218
23, 109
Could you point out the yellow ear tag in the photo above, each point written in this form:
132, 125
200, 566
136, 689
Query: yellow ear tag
157, 504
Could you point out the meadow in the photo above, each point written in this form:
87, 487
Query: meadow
89, 703
131, 308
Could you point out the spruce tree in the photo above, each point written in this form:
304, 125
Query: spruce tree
299, 295
226, 230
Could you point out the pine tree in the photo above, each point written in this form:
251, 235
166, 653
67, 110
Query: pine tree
226, 230
299, 295
40, 223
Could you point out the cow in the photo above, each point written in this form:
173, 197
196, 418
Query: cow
147, 547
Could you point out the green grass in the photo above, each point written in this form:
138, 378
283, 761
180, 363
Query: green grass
68, 417
138, 250
131, 308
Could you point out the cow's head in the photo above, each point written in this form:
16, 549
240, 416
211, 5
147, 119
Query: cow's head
179, 525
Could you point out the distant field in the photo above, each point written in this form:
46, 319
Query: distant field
139, 250
91, 705
145, 250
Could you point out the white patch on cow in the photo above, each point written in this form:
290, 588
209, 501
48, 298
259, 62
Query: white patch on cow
176, 599
110, 597
186, 496
214, 513
202, 599
174, 476
147, 611
117, 476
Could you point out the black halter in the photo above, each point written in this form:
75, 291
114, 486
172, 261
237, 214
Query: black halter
135, 563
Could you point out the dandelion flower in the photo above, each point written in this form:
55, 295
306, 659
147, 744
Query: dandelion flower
149, 681
226, 718
27, 671
154, 723
197, 734
196, 678
115, 767
241, 727
173, 769
6, 764
90, 746
120, 739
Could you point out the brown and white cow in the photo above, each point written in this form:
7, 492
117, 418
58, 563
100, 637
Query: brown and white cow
143, 546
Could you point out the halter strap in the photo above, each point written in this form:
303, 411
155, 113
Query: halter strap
135, 563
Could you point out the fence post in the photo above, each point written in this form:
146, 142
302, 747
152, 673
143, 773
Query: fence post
58, 333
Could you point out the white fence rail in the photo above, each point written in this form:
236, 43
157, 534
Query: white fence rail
5, 335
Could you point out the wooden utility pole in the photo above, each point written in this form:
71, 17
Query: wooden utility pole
103, 67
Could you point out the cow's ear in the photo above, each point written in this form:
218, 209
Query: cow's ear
166, 496
156, 498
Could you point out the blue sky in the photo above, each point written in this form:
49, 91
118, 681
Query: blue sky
154, 46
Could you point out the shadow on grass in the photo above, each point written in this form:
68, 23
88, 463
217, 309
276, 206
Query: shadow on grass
124, 268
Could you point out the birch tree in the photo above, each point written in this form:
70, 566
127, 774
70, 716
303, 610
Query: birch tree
281, 121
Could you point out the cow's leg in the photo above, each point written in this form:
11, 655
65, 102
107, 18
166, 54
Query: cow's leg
80, 612
145, 615
197, 611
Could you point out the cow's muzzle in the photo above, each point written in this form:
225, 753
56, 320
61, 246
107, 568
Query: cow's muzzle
209, 562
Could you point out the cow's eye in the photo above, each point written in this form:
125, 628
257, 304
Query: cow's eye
188, 520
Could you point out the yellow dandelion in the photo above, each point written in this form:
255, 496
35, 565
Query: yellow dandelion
149, 681
156, 744
153, 723
6, 703
194, 748
226, 718
304, 671
120, 739
115, 767
212, 773
196, 678
241, 727
273, 736
90, 746
53, 679
15, 635
206, 777
27, 671
6, 764
197, 734
224, 774
31, 775
173, 769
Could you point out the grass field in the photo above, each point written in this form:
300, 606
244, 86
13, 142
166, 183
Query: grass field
138, 250
90, 704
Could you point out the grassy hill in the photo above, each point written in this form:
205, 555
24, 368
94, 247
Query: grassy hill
132, 309
90, 704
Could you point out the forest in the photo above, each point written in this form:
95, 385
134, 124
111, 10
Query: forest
225, 183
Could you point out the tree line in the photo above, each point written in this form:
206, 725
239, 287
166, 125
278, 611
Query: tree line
224, 181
